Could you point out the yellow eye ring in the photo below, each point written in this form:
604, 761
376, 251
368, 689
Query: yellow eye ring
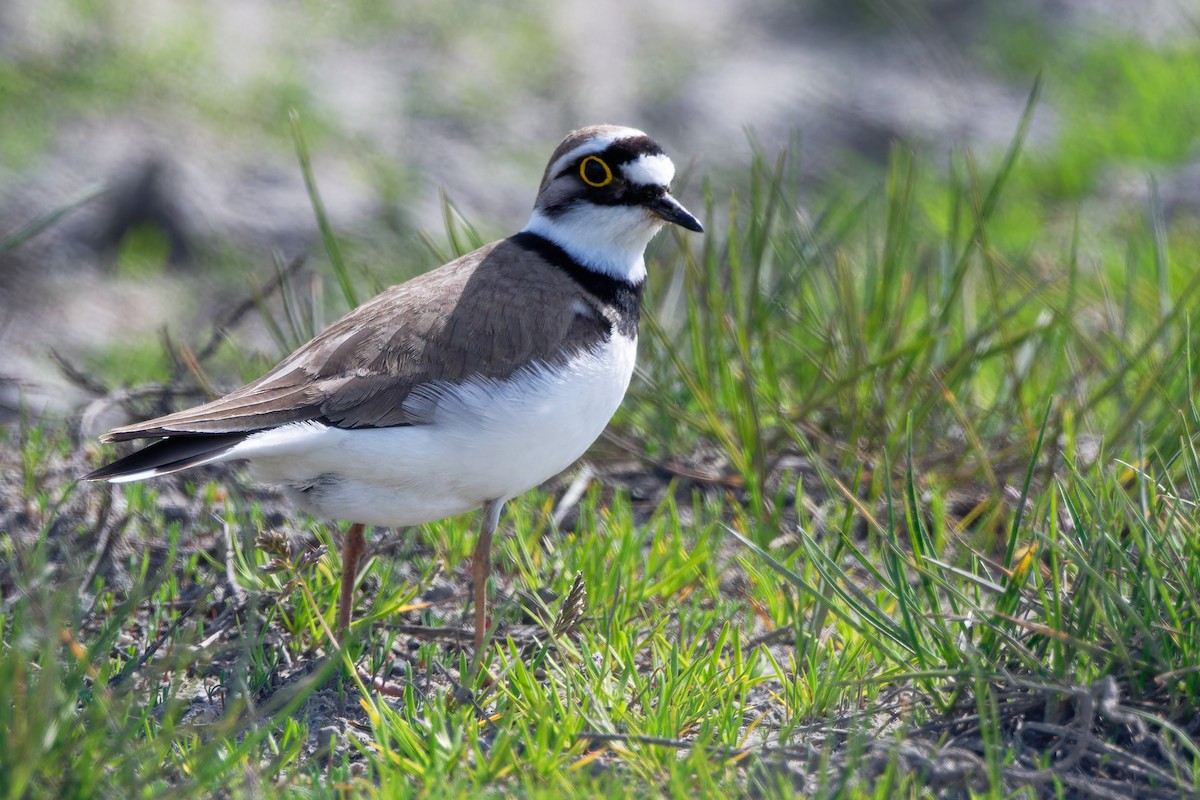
589, 174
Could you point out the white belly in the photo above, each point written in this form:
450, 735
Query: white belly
486, 440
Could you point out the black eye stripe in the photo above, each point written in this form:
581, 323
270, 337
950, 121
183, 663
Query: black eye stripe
599, 198
619, 152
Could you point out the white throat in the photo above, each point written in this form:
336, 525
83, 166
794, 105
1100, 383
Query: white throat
607, 239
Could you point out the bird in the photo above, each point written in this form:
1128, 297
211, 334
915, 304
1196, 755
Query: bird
461, 388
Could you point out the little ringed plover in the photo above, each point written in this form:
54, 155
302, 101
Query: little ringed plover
462, 387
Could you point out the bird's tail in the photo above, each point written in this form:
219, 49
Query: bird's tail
169, 455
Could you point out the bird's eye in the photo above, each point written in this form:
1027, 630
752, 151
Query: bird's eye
595, 172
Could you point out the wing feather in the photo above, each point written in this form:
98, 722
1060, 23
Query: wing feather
488, 313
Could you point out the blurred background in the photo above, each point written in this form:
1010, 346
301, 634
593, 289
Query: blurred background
157, 133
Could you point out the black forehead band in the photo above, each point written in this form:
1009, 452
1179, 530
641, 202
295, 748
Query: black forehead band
623, 151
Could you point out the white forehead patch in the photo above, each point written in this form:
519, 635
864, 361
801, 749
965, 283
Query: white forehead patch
647, 170
594, 145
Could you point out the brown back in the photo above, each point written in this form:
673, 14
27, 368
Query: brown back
489, 313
